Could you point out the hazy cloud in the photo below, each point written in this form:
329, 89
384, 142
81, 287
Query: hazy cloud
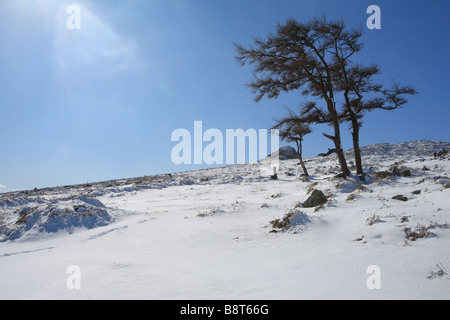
95, 45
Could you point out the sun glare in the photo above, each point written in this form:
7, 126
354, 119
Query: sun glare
91, 44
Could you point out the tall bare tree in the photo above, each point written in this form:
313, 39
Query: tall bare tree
315, 57
301, 56
362, 95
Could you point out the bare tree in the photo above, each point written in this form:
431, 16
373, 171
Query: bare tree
316, 58
300, 56
361, 95
292, 129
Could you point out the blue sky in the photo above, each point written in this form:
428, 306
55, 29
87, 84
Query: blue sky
101, 102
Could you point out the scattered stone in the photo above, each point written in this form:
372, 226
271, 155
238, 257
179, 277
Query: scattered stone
400, 198
403, 172
78, 207
317, 198
406, 173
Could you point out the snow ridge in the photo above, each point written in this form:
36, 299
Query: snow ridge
71, 207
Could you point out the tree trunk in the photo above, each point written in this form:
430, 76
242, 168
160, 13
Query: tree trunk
303, 166
356, 148
337, 138
341, 157
299, 152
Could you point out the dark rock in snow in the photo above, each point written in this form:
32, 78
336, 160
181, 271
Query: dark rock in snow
406, 173
78, 207
403, 172
285, 153
317, 198
400, 198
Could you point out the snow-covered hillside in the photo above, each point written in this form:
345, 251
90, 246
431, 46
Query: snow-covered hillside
235, 233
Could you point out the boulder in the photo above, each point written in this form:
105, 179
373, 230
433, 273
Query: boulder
317, 198
285, 153
400, 197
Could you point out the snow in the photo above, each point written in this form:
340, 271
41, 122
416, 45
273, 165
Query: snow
207, 234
